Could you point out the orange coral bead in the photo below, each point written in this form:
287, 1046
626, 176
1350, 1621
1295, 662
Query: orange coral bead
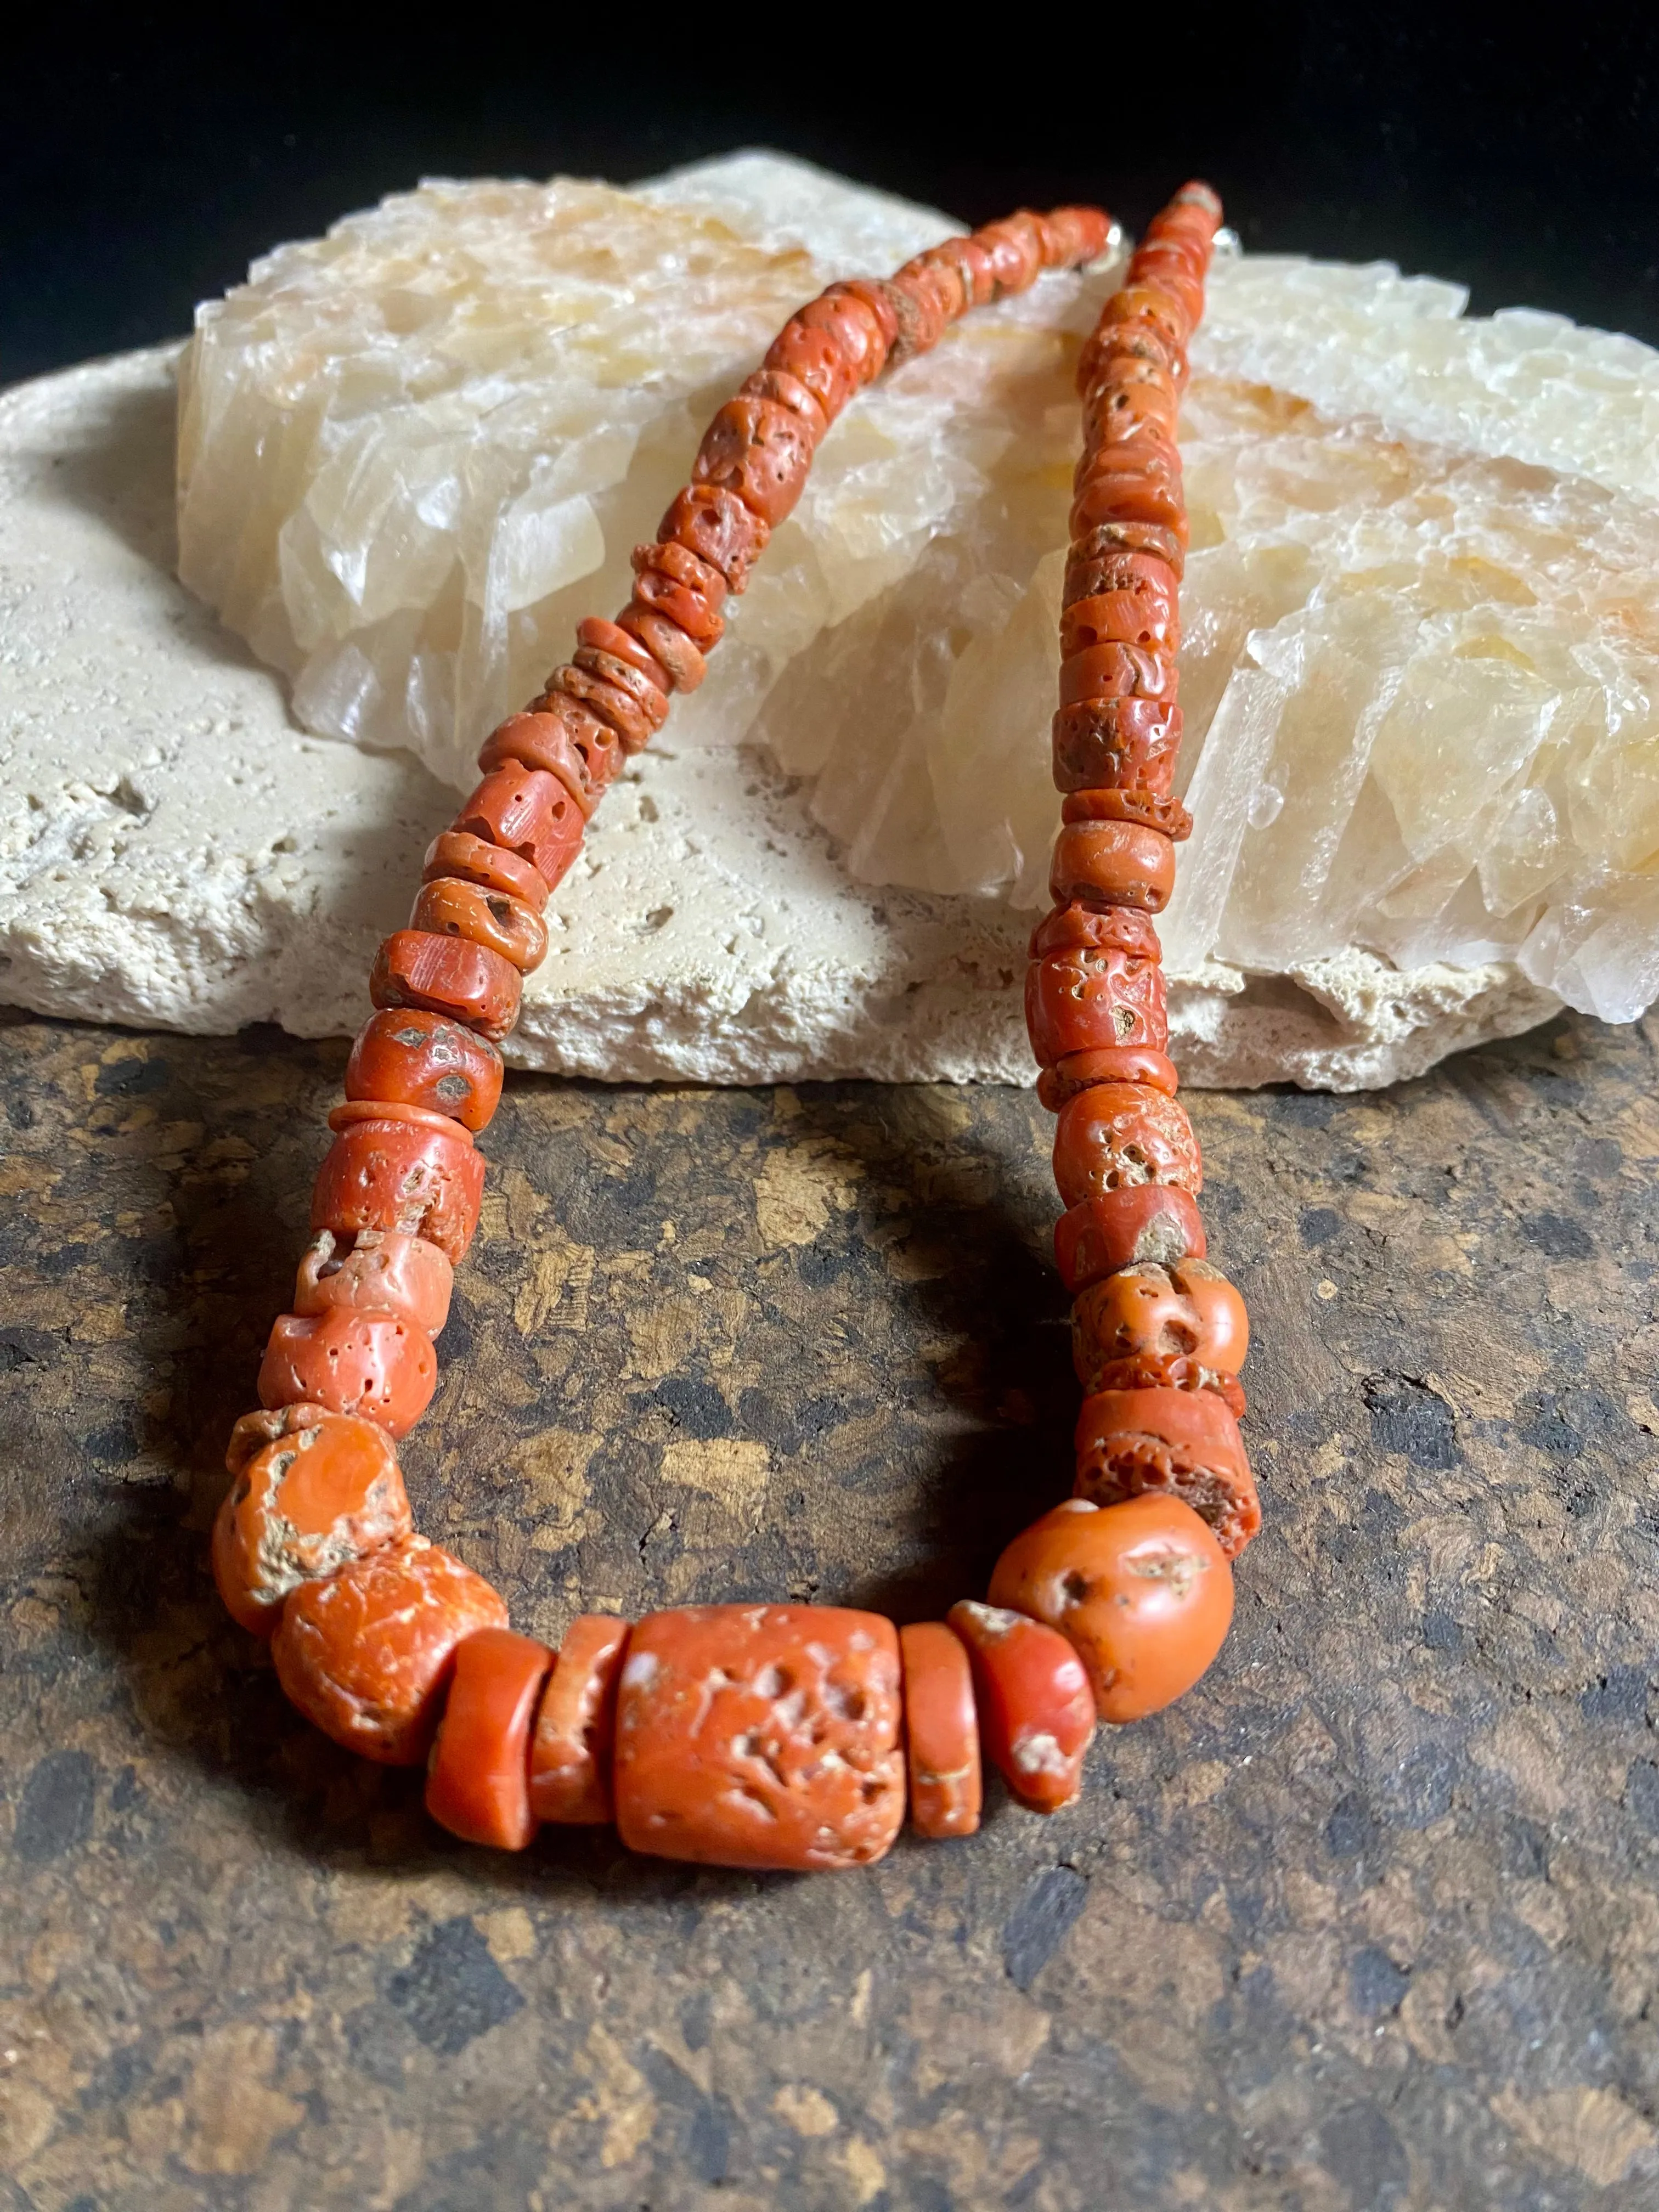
1113, 864
576, 1727
1157, 810
528, 811
681, 660
813, 356
351, 1363
367, 1656
1115, 1228
1179, 1444
476, 1785
403, 1176
1137, 618
376, 1270
941, 1731
254, 1431
448, 976
1080, 1071
1108, 669
1122, 743
711, 521
457, 853
304, 1506
1141, 1591
567, 739
607, 637
759, 450
1119, 1134
449, 906
1036, 1712
1085, 1000
414, 1058
761, 1736
1190, 1307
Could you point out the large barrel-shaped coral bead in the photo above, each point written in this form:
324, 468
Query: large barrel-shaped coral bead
367, 1655
447, 976
761, 1736
1087, 1001
307, 1504
477, 1785
1113, 864
402, 1176
1141, 1591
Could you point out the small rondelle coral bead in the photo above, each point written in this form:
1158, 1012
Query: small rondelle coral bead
456, 853
1109, 1229
379, 1272
565, 739
384, 1369
477, 1784
414, 1058
761, 1736
367, 1654
1036, 1713
941, 1731
409, 1177
1141, 1591
307, 1504
1080, 1071
576, 1727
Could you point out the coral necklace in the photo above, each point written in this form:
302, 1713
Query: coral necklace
785, 1735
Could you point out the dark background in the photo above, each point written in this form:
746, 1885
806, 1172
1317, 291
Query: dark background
145, 158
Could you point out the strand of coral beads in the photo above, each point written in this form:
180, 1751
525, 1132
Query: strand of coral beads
777, 1735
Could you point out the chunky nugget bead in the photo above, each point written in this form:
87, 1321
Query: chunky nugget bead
1036, 1712
380, 1272
1116, 1134
420, 1181
1189, 1307
367, 1655
1141, 1591
759, 450
448, 906
711, 521
761, 1736
1085, 999
529, 812
941, 1733
576, 1727
447, 976
303, 1508
1180, 1443
476, 1785
565, 739
1109, 1229
384, 1369
1125, 743
419, 1059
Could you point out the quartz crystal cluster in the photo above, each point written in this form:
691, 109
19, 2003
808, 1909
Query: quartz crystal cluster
1421, 616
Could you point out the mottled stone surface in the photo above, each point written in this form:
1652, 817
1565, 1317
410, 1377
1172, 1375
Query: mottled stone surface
1371, 1921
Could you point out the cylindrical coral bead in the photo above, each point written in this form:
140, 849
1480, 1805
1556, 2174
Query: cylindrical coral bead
1179, 1444
1123, 744
1141, 1591
367, 1656
447, 976
1108, 1229
476, 1785
1083, 999
941, 1733
528, 811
